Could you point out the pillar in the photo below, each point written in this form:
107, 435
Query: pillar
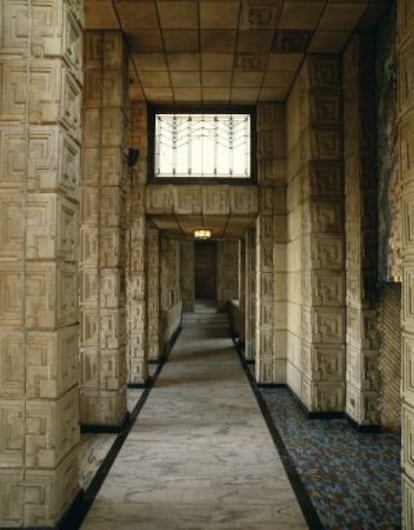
250, 306
41, 86
362, 338
271, 293
170, 291
153, 292
323, 277
103, 231
405, 52
242, 289
137, 363
227, 272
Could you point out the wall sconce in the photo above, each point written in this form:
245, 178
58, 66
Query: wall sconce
132, 156
202, 233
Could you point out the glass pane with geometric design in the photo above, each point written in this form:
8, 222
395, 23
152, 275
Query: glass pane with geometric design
202, 145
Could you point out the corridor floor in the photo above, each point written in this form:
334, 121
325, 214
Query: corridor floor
199, 455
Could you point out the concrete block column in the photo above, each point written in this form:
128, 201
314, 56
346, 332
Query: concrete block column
250, 306
103, 231
406, 148
153, 292
41, 87
137, 362
362, 337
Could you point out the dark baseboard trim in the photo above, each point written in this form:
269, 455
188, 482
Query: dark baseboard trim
76, 513
99, 429
369, 429
308, 510
140, 385
271, 385
154, 361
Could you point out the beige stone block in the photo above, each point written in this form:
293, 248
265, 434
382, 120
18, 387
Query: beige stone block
328, 326
110, 247
328, 397
324, 71
13, 157
92, 119
11, 226
280, 257
327, 217
12, 363
405, 25
52, 430
52, 362
407, 425
11, 435
52, 229
112, 332
328, 289
89, 206
103, 407
408, 297
11, 294
408, 502
326, 143
243, 200
113, 128
55, 95
89, 367
14, 97
11, 508
264, 369
54, 162
328, 363
280, 345
89, 327
408, 367
265, 261
280, 281
406, 148
215, 200
48, 493
187, 200
112, 369
57, 32
88, 286
280, 228
159, 199
264, 342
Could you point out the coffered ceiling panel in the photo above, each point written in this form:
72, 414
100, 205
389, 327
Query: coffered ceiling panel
227, 51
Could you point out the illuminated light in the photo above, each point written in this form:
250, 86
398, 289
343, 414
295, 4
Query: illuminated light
202, 233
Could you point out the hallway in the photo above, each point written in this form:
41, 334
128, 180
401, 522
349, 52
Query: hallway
200, 455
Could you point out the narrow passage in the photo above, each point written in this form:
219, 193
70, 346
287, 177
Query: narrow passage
200, 455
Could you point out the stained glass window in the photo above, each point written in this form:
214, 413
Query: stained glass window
202, 145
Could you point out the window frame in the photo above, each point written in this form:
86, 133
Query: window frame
153, 110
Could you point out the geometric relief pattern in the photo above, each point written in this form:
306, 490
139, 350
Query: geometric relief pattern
405, 139
39, 181
103, 238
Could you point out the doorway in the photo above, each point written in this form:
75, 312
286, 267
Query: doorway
205, 270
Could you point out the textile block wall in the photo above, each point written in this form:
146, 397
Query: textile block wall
103, 230
41, 88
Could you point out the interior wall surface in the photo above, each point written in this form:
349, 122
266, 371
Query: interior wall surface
405, 54
41, 90
187, 279
103, 230
227, 267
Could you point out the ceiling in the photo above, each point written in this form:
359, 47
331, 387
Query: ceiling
222, 226
226, 51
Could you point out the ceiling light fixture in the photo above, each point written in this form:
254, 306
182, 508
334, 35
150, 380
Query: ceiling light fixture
202, 233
